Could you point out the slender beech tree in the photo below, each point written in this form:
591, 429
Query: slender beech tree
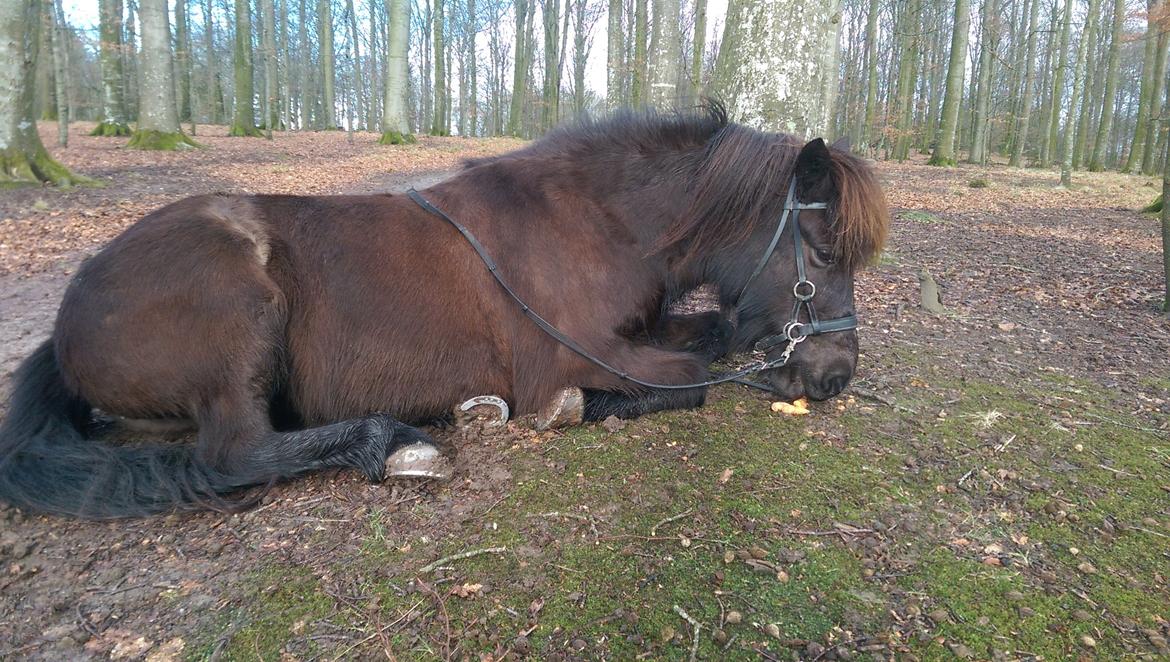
638, 95
158, 118
1112, 66
439, 126
1020, 134
244, 113
615, 50
697, 48
110, 56
665, 55
1166, 228
1051, 126
395, 122
214, 89
520, 68
23, 157
1082, 128
1078, 73
60, 38
866, 142
183, 60
944, 148
1145, 97
796, 44
1159, 88
551, 93
268, 46
987, 43
327, 70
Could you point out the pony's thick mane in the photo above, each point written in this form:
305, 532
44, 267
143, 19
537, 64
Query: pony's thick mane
742, 173
746, 172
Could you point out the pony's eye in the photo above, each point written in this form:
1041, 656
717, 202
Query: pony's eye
825, 257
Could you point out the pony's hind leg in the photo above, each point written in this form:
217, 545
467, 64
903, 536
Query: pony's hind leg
242, 446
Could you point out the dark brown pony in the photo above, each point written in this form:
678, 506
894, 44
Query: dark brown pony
299, 333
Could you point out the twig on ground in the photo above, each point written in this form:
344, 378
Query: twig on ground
379, 632
443, 612
695, 627
1120, 424
668, 520
459, 557
878, 397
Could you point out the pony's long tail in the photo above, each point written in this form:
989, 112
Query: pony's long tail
47, 465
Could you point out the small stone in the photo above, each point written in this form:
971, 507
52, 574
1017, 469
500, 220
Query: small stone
1026, 612
720, 636
1088, 641
728, 556
734, 617
992, 560
814, 650
773, 630
939, 616
613, 424
20, 549
758, 552
666, 634
1014, 596
1082, 615
782, 577
961, 651
1087, 568
1074, 551
521, 646
1052, 507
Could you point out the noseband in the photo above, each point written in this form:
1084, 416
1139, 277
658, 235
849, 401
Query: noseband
803, 291
794, 332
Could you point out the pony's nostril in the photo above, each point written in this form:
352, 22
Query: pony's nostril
834, 383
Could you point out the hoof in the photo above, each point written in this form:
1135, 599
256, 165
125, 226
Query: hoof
419, 461
567, 408
470, 410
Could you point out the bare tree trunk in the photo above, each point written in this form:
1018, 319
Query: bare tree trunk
268, 44
867, 144
357, 84
439, 122
110, 55
551, 95
183, 60
1083, 120
638, 92
1097, 162
978, 151
1021, 131
520, 70
395, 127
158, 119
214, 94
665, 55
944, 149
700, 39
328, 71
1145, 100
1077, 98
1166, 227
797, 46
60, 68
1159, 81
615, 60
244, 109
23, 157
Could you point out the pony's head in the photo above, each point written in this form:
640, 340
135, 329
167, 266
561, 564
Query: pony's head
781, 227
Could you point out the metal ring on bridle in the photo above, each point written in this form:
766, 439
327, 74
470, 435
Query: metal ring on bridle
794, 332
812, 290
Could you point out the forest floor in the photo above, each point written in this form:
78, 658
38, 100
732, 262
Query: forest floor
994, 485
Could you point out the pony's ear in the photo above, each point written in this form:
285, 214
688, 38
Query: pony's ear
813, 172
842, 144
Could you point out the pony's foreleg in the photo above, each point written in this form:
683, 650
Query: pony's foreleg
707, 334
614, 396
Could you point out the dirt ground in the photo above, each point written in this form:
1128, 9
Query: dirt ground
994, 485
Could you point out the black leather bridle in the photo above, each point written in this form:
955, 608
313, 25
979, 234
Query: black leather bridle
794, 331
803, 291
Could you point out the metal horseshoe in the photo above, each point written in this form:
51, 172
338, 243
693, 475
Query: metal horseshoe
492, 400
